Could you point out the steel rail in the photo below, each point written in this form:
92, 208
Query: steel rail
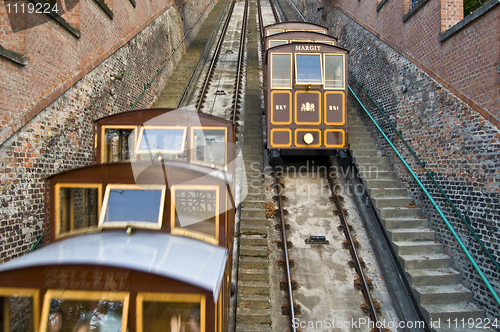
240, 61
261, 26
275, 11
354, 254
285, 251
215, 58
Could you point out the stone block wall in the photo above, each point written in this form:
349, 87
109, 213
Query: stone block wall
456, 142
60, 135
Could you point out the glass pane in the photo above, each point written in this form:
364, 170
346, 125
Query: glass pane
164, 140
84, 316
19, 313
169, 316
281, 72
195, 210
273, 43
308, 68
334, 71
78, 208
273, 32
209, 146
129, 205
117, 144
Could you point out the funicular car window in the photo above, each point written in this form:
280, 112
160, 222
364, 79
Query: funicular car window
209, 146
281, 71
334, 71
115, 143
77, 207
195, 211
159, 312
308, 69
19, 309
84, 311
141, 206
271, 32
273, 43
167, 140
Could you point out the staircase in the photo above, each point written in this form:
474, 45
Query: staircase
435, 285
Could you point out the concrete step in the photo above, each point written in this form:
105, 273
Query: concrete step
246, 204
253, 274
433, 277
370, 160
359, 133
382, 202
253, 287
257, 251
382, 183
252, 316
399, 212
253, 240
370, 173
256, 195
417, 248
442, 294
241, 327
411, 234
258, 263
367, 153
253, 213
428, 261
249, 221
367, 144
367, 167
388, 192
253, 301
396, 223
440, 313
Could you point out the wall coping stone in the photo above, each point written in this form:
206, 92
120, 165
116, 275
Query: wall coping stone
60, 20
13, 56
105, 7
381, 4
414, 9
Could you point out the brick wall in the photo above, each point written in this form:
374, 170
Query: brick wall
457, 142
59, 136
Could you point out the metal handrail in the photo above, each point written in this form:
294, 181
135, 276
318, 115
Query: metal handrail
434, 204
170, 55
465, 220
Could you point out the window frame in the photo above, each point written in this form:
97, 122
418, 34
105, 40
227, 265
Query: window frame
277, 40
32, 293
190, 233
191, 146
85, 295
103, 139
169, 298
139, 224
291, 70
343, 71
57, 202
141, 135
321, 65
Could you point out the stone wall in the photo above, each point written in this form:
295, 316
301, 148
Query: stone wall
457, 143
60, 136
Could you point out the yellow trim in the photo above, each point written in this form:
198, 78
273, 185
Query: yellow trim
289, 107
297, 110
103, 143
342, 107
320, 68
141, 134
34, 294
333, 131
169, 297
201, 162
272, 67
85, 295
343, 71
141, 224
308, 130
281, 145
190, 233
57, 202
